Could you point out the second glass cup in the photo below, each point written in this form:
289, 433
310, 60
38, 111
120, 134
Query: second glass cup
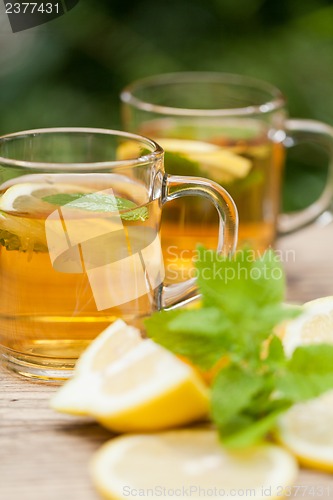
80, 213
232, 129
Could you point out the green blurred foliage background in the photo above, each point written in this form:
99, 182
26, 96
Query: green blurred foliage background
70, 71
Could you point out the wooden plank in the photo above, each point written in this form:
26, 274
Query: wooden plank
45, 456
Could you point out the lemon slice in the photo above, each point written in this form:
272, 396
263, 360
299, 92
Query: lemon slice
223, 161
130, 384
306, 429
26, 197
23, 197
189, 463
215, 162
218, 163
23, 211
186, 146
313, 326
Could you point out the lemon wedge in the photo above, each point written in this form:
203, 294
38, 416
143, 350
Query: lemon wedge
189, 463
306, 429
111, 345
131, 384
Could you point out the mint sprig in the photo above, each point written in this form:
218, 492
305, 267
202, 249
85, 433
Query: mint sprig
242, 302
99, 202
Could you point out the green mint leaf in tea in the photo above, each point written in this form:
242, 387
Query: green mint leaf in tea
178, 164
12, 242
98, 202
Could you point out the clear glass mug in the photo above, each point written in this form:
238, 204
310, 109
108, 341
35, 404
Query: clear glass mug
234, 130
80, 213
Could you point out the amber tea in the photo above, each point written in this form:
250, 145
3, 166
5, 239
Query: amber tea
55, 308
237, 155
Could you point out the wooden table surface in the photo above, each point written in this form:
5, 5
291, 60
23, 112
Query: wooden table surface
45, 456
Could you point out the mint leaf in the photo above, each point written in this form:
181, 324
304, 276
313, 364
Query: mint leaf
276, 355
12, 242
185, 333
230, 282
308, 373
178, 164
62, 198
9, 240
98, 202
238, 186
244, 432
232, 390
316, 358
138, 214
243, 407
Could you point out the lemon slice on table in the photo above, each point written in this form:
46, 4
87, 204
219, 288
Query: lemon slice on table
306, 429
189, 463
111, 345
132, 384
313, 326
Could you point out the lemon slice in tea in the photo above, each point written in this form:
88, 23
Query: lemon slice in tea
215, 162
23, 213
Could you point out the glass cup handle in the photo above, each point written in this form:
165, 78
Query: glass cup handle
176, 186
298, 131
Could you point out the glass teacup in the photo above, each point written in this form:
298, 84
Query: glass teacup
233, 129
80, 213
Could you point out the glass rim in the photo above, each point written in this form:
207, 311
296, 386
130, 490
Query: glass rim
157, 153
277, 100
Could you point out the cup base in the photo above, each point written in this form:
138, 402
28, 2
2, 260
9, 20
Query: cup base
31, 367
